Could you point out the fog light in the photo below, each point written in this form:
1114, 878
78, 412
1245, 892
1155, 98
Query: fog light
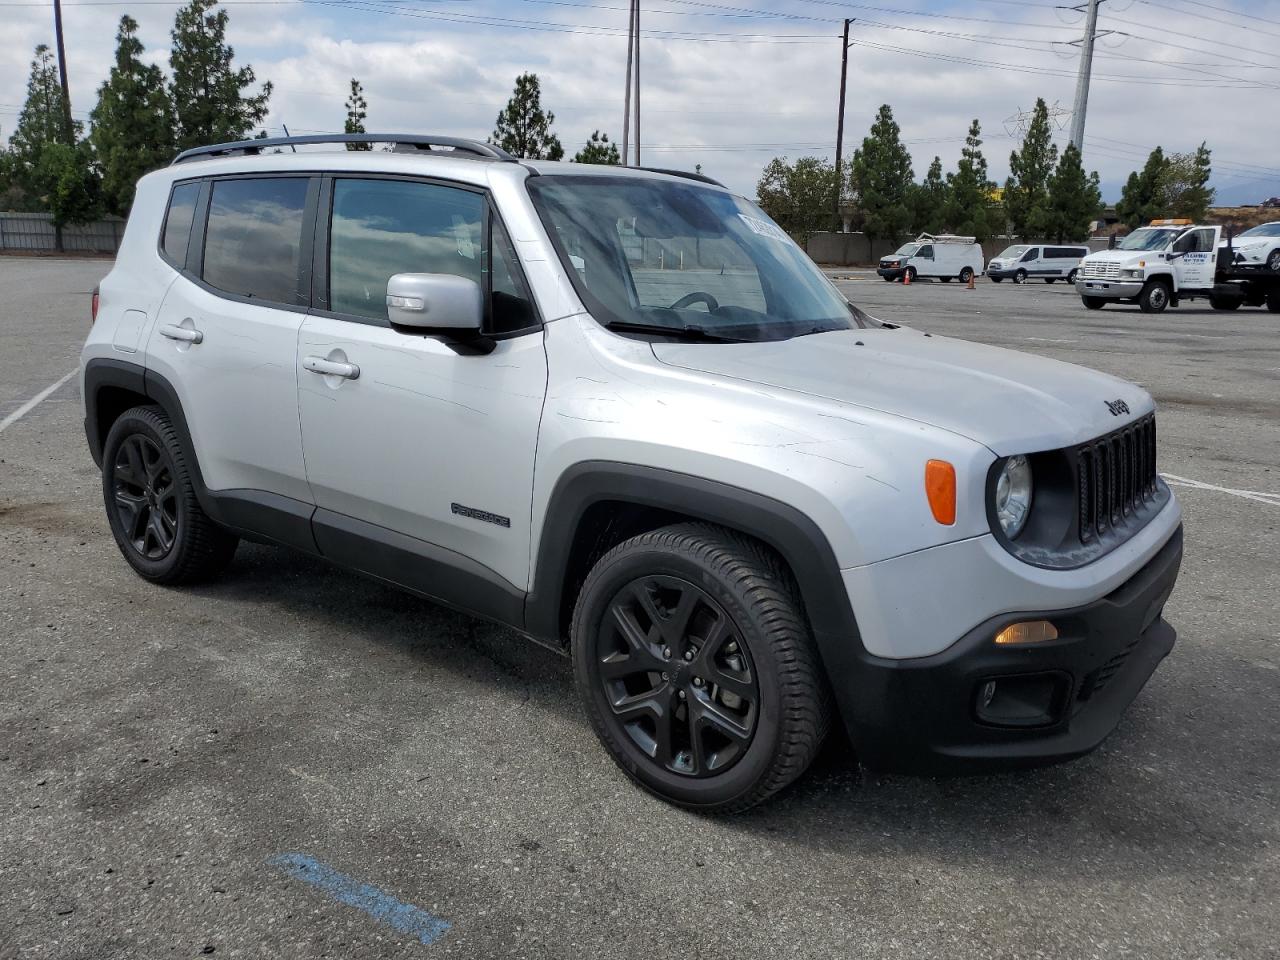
1028, 631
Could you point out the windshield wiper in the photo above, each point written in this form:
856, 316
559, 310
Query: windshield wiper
685, 332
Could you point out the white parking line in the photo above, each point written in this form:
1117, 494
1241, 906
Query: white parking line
1260, 497
31, 404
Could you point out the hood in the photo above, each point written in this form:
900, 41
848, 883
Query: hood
1122, 256
1245, 243
1008, 401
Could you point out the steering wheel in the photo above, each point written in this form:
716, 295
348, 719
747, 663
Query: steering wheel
698, 296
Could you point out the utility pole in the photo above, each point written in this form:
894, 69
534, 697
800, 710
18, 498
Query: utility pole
62, 72
637, 32
844, 78
626, 110
1082, 79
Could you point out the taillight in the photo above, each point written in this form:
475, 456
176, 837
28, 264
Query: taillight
93, 307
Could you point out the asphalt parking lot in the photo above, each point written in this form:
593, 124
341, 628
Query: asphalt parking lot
167, 755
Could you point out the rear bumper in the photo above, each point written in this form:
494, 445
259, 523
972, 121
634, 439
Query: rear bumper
931, 715
1109, 289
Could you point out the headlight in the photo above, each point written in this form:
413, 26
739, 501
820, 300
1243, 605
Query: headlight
1131, 274
1013, 495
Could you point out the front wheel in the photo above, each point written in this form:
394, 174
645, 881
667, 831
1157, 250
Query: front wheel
151, 503
909, 274
1154, 297
1071, 277
694, 661
1273, 301
1093, 303
1050, 279
1273, 260
996, 279
1020, 276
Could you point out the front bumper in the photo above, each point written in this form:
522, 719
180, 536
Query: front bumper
927, 715
1109, 289
892, 273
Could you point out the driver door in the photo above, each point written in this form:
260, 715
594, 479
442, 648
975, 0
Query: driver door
1195, 257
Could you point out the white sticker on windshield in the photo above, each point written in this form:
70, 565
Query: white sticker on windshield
764, 228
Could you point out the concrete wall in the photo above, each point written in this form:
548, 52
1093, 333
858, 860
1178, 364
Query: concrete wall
34, 232
851, 249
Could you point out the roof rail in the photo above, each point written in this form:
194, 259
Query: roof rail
409, 141
700, 177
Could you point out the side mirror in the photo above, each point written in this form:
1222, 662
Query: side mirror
436, 301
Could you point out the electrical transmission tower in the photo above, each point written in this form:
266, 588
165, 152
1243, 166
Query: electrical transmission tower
1017, 125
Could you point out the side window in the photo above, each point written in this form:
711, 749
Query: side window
253, 242
383, 227
176, 232
511, 306
1194, 241
926, 251
1031, 254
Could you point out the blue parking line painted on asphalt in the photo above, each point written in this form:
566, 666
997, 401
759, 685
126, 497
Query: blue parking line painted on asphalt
380, 905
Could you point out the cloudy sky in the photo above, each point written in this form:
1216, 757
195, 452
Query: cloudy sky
729, 86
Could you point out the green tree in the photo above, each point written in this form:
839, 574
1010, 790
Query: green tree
208, 91
357, 110
599, 149
1074, 199
1141, 200
1026, 191
969, 208
69, 184
42, 122
882, 180
929, 201
798, 196
132, 123
523, 129
1184, 184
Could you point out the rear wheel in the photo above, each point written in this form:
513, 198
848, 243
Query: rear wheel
695, 663
945, 279
1071, 277
1093, 303
966, 274
1225, 303
1154, 297
996, 279
889, 279
151, 504
1050, 279
1020, 276
1273, 301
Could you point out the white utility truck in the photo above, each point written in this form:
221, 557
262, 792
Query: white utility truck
1169, 261
942, 257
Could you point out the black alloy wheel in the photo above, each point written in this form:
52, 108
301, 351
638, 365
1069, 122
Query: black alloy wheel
677, 676
145, 497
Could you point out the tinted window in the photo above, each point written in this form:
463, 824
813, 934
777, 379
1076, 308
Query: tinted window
1065, 253
177, 221
253, 243
512, 307
1031, 254
926, 251
384, 227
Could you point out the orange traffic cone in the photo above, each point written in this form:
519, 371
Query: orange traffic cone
906, 278
971, 276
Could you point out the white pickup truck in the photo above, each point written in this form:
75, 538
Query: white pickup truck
1169, 261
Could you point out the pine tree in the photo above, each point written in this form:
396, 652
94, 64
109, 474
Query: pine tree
929, 201
599, 149
1074, 199
207, 90
70, 187
1184, 184
881, 178
132, 124
969, 204
1026, 192
798, 196
43, 121
357, 110
523, 130
1140, 200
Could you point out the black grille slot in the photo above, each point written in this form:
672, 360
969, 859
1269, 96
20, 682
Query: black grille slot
1116, 476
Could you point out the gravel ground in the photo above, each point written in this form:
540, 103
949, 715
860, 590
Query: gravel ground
158, 747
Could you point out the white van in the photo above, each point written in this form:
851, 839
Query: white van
1023, 262
941, 257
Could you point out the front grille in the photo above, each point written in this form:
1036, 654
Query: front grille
1117, 476
1101, 270
1099, 678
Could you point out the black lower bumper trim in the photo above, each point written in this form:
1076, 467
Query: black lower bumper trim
926, 715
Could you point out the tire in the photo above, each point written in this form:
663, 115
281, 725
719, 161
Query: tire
1273, 301
910, 272
147, 487
674, 586
997, 279
1020, 276
889, 279
1071, 277
1155, 297
1273, 260
1050, 279
1093, 303
945, 279
966, 274
1225, 303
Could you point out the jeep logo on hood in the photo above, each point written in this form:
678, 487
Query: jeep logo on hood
1116, 407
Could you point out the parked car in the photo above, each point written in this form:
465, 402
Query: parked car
943, 257
1023, 262
1256, 247
620, 412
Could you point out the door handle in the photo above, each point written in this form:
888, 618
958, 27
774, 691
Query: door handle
185, 334
331, 368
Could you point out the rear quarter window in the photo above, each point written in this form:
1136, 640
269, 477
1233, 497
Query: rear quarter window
175, 235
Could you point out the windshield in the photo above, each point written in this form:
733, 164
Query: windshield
1147, 239
906, 250
1008, 253
1264, 230
684, 257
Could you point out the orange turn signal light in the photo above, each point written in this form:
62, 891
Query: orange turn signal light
1029, 631
940, 486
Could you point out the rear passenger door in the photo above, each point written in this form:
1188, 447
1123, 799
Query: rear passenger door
226, 335
422, 464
